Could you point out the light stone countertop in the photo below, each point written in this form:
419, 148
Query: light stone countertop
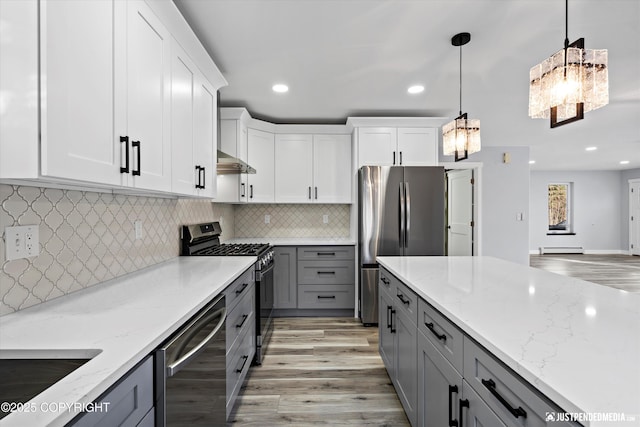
296, 241
123, 319
576, 341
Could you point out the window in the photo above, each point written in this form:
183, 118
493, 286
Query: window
559, 208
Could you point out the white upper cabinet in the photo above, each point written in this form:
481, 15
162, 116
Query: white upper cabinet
391, 146
294, 172
233, 188
204, 138
261, 157
332, 168
77, 86
144, 89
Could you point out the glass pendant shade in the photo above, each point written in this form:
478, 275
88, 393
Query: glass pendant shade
461, 137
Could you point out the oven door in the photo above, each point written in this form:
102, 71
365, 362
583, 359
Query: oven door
264, 303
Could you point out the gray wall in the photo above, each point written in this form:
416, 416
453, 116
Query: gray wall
599, 203
625, 176
505, 193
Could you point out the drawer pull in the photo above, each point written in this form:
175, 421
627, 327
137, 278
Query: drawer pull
326, 253
389, 316
452, 389
442, 337
404, 301
243, 363
244, 319
326, 297
393, 330
491, 386
464, 403
385, 280
244, 286
326, 272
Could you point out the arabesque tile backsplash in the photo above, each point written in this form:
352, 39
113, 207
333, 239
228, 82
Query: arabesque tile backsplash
88, 237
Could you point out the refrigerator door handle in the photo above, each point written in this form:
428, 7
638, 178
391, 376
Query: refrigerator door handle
402, 216
407, 222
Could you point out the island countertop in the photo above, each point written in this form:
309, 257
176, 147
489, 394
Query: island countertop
119, 322
577, 342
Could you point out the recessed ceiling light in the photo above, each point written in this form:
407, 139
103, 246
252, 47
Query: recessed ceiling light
280, 88
624, 162
531, 162
415, 89
591, 148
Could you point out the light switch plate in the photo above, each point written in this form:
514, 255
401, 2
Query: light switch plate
22, 242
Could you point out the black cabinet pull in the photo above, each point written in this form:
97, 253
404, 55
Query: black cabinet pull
442, 337
491, 386
199, 176
203, 185
385, 280
326, 272
389, 317
125, 139
394, 158
242, 192
136, 144
243, 363
316, 191
244, 286
309, 193
326, 253
401, 158
251, 191
393, 330
463, 404
326, 297
452, 389
404, 301
244, 319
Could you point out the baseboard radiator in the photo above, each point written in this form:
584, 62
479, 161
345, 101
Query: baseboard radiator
561, 250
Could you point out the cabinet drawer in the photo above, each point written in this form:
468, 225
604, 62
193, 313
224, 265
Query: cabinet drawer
236, 290
387, 281
326, 296
406, 300
325, 252
501, 388
238, 363
239, 317
443, 334
326, 273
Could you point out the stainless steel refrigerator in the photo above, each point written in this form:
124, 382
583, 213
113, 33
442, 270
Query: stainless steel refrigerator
401, 212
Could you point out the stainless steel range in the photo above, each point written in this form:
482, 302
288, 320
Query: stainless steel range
204, 240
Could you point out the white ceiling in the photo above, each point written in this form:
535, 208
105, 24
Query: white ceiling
344, 58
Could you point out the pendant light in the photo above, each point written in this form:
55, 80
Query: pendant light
571, 82
461, 136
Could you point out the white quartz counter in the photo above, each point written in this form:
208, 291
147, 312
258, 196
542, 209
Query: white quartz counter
577, 342
124, 320
295, 241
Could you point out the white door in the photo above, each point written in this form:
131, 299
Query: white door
417, 147
460, 212
261, 157
377, 147
332, 168
77, 86
184, 175
634, 217
148, 81
204, 136
293, 168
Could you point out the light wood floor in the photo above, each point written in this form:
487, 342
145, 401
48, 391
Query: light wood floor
319, 371
617, 271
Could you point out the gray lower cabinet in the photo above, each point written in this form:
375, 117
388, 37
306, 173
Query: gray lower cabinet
386, 331
129, 402
284, 277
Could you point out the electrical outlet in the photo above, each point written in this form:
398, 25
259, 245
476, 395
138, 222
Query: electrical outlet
137, 225
325, 219
22, 242
267, 219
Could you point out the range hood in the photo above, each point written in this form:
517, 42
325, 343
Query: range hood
231, 165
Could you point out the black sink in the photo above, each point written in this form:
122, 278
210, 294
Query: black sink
25, 378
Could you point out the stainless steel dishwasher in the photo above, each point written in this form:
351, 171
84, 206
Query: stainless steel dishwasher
191, 371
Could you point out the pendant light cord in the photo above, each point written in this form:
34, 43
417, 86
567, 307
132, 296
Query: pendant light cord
566, 35
460, 81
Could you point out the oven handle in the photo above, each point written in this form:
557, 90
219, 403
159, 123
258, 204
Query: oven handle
176, 366
260, 274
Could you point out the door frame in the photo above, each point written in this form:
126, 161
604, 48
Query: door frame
477, 199
631, 182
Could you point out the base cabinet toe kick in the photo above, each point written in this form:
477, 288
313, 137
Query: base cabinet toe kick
443, 377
